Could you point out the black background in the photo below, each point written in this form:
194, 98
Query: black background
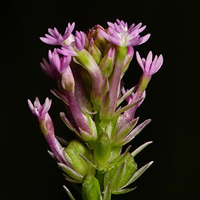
27, 171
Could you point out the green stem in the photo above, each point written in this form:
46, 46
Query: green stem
100, 177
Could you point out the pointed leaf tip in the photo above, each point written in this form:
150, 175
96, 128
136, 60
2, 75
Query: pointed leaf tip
69, 193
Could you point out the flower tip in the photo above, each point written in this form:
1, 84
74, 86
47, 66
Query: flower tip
150, 163
148, 121
30, 104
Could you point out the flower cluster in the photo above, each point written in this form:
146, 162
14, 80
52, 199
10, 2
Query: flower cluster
89, 70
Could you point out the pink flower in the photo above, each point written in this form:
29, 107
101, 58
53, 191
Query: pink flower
76, 46
55, 38
120, 35
57, 64
150, 66
40, 110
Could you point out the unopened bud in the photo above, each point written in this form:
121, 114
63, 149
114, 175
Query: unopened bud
102, 150
73, 151
67, 81
91, 188
107, 63
94, 51
131, 168
99, 40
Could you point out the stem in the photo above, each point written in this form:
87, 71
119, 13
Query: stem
100, 177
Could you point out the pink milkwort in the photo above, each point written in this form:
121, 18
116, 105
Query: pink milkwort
57, 64
55, 38
150, 66
47, 128
120, 35
40, 111
76, 46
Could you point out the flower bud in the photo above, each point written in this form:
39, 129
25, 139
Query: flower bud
91, 188
94, 51
128, 59
102, 150
99, 40
130, 169
107, 63
67, 81
73, 151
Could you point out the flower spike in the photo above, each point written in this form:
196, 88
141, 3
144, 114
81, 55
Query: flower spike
89, 70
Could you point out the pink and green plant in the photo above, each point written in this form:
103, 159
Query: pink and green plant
89, 69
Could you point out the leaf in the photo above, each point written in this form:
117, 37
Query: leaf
87, 161
62, 141
69, 193
123, 191
128, 106
52, 155
140, 148
70, 172
107, 192
60, 96
128, 93
138, 173
66, 121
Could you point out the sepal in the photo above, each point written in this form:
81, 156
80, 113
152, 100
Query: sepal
72, 173
91, 188
69, 193
118, 176
140, 148
133, 133
107, 192
138, 173
123, 191
72, 154
129, 167
102, 150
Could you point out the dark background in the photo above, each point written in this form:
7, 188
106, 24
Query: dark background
27, 171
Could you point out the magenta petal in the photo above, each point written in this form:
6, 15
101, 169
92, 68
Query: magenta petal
148, 62
139, 60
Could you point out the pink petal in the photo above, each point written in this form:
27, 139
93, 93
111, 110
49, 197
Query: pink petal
139, 60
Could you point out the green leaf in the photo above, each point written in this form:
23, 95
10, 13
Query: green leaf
88, 162
123, 191
120, 110
138, 173
69, 193
125, 95
140, 148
